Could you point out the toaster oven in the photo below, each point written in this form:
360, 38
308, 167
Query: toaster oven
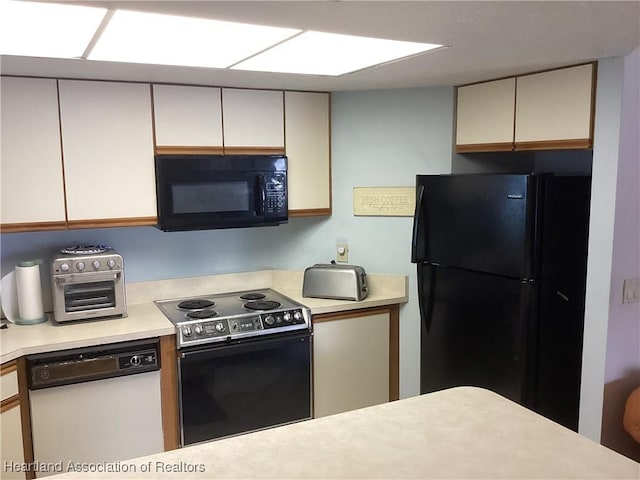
88, 283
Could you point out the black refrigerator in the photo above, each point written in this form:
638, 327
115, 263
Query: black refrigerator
501, 262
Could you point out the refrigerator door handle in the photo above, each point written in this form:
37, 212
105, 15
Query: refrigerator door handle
425, 302
417, 227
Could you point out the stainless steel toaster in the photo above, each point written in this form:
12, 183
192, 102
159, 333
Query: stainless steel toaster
340, 282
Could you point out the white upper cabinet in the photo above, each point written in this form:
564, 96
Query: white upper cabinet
307, 125
32, 184
556, 106
188, 117
253, 119
107, 141
485, 115
540, 111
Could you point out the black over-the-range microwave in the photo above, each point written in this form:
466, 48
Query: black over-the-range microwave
202, 192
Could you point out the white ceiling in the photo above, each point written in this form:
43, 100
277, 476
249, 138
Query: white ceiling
485, 40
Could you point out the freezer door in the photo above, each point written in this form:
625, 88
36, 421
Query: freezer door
475, 331
485, 223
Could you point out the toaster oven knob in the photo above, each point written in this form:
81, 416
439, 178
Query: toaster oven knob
95, 264
80, 266
64, 267
186, 331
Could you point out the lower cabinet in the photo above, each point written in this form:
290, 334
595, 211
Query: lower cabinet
355, 360
15, 453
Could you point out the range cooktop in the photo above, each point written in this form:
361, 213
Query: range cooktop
225, 317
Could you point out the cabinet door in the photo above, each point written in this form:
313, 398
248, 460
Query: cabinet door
307, 128
554, 109
108, 153
350, 363
253, 121
187, 117
485, 116
12, 452
32, 191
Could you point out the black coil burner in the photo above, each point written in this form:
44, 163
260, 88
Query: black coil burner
262, 305
253, 296
202, 314
195, 304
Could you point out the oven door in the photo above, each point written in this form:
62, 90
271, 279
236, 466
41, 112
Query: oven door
208, 192
237, 388
88, 295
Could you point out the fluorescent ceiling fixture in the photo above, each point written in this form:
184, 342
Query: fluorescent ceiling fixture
318, 53
172, 40
35, 29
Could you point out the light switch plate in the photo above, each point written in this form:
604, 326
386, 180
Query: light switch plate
631, 290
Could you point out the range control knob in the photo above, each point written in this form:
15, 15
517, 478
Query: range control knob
269, 320
111, 263
95, 264
80, 266
64, 267
220, 327
186, 331
199, 329
287, 317
135, 361
297, 315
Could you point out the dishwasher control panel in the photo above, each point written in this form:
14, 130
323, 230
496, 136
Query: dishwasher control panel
95, 363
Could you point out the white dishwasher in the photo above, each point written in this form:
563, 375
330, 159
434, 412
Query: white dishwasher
95, 407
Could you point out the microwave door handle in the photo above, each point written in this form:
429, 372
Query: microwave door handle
260, 195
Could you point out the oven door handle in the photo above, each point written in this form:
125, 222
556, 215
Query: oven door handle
260, 343
87, 277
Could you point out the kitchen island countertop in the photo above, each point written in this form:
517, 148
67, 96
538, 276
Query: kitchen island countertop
144, 319
463, 432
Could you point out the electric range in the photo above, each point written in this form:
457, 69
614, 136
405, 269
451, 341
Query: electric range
244, 362
208, 319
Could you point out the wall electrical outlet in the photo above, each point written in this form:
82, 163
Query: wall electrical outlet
342, 252
631, 290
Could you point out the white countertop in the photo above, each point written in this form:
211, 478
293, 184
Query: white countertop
463, 433
144, 319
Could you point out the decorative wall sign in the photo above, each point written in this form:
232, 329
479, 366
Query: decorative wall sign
384, 201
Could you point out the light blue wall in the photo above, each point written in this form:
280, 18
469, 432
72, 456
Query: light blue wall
379, 138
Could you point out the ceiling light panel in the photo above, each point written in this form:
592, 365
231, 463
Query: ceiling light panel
35, 29
172, 40
318, 53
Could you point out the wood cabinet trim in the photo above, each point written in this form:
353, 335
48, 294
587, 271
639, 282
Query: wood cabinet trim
32, 227
113, 222
9, 367
311, 212
9, 403
394, 353
361, 312
188, 150
573, 144
254, 150
485, 147
25, 414
169, 392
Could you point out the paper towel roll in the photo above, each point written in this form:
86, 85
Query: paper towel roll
9, 297
29, 290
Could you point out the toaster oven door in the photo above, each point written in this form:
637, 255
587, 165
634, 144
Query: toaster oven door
88, 295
